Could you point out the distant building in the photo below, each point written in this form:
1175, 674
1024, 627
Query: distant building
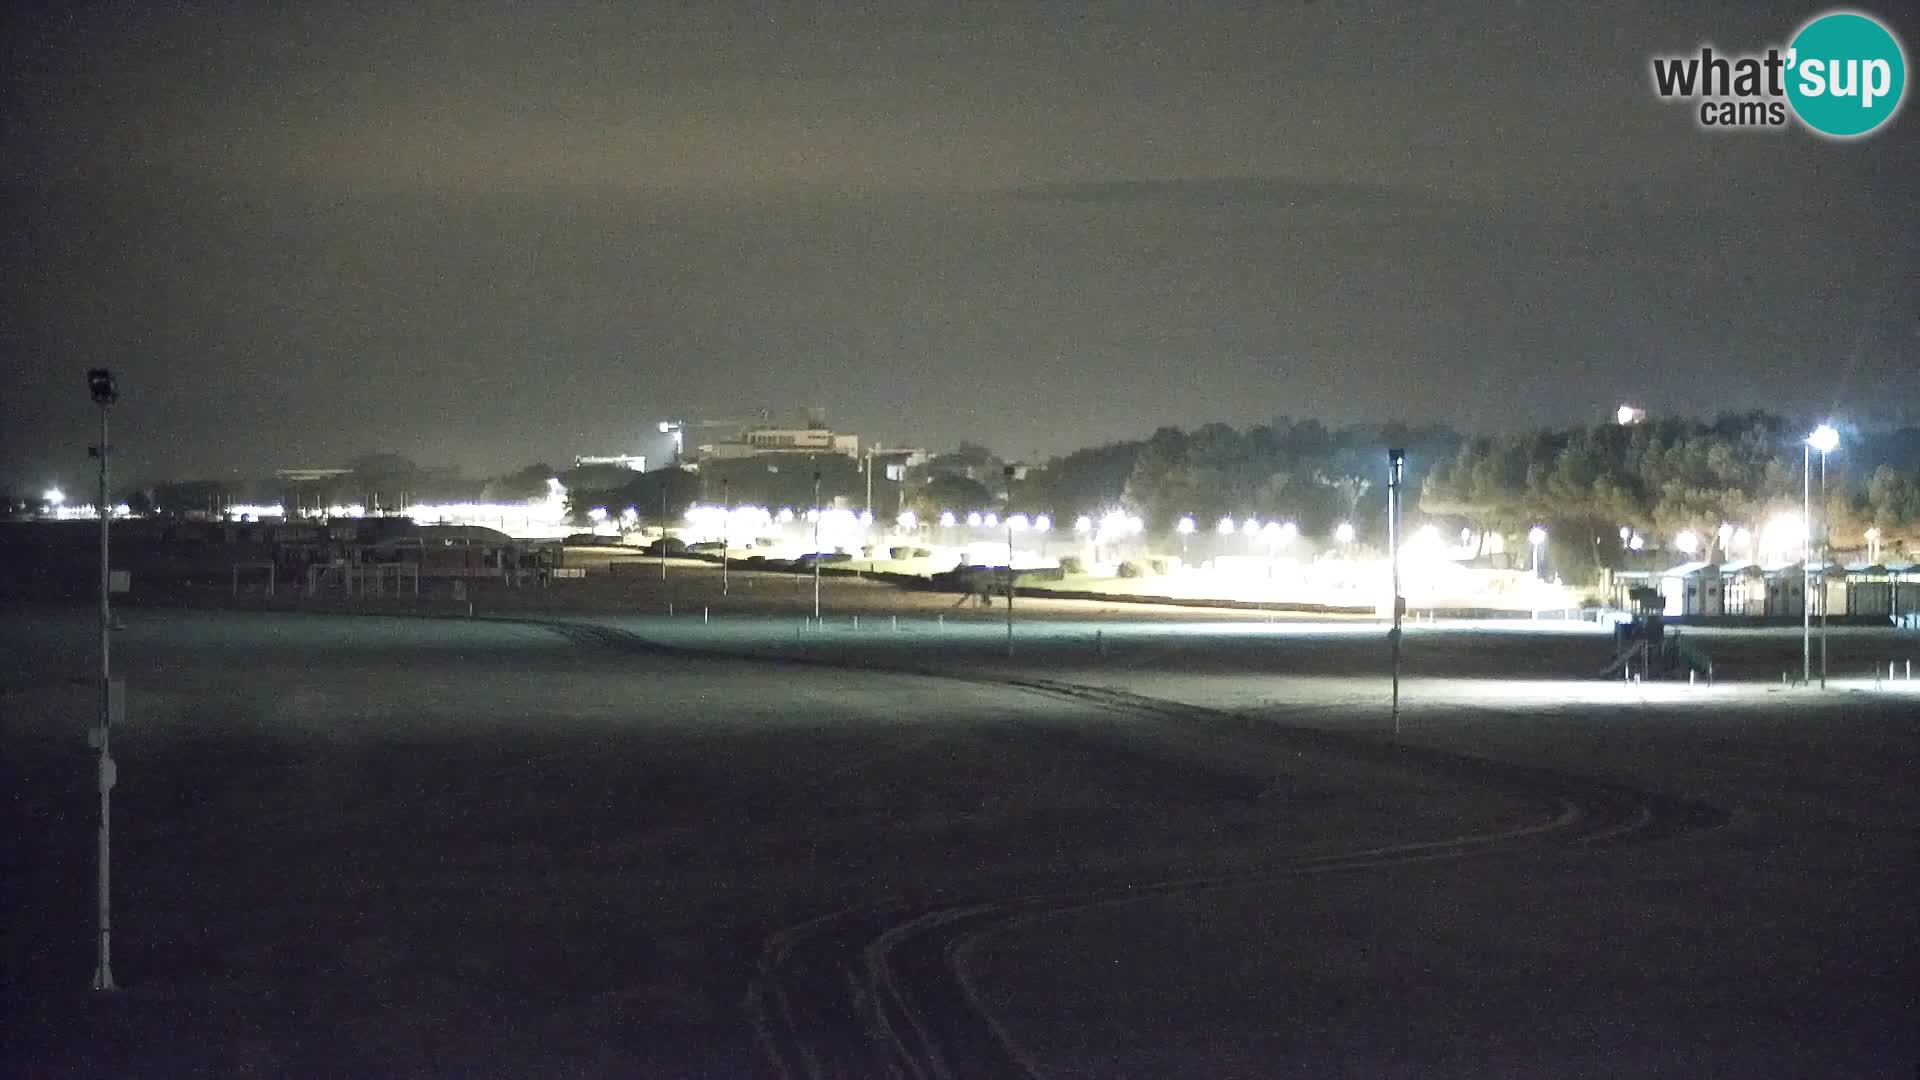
894, 462
636, 462
756, 441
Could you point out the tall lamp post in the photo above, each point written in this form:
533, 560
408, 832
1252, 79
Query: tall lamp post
1396, 462
726, 529
816, 545
1827, 439
101, 384
1011, 525
1823, 439
1185, 529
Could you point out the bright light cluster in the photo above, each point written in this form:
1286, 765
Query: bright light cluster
838, 527
1115, 524
1784, 536
349, 510
729, 522
256, 511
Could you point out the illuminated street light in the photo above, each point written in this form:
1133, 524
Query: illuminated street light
1250, 526
1185, 527
991, 520
947, 519
907, 520
54, 497
1344, 532
1043, 523
973, 519
1536, 536
1015, 523
598, 514
1636, 542
1288, 532
1083, 524
1825, 440
815, 515
1225, 528
1688, 542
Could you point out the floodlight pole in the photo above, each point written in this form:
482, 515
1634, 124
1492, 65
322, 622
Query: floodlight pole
816, 545
1806, 564
100, 382
1396, 461
1008, 472
1826, 556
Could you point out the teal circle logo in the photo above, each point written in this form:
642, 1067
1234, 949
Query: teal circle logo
1846, 74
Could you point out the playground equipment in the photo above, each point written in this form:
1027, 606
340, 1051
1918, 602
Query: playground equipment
1643, 649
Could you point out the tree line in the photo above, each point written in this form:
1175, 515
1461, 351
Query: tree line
1660, 478
1668, 477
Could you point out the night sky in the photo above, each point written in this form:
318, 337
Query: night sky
485, 236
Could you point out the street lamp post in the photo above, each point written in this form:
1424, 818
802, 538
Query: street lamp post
663, 529
101, 384
726, 530
1823, 439
1008, 472
816, 545
1396, 461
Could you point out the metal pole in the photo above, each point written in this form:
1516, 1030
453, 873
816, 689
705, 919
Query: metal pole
1395, 460
726, 530
1008, 473
663, 528
1806, 567
1826, 556
816, 545
1009, 585
103, 968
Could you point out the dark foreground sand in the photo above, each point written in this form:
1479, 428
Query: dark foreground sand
567, 845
